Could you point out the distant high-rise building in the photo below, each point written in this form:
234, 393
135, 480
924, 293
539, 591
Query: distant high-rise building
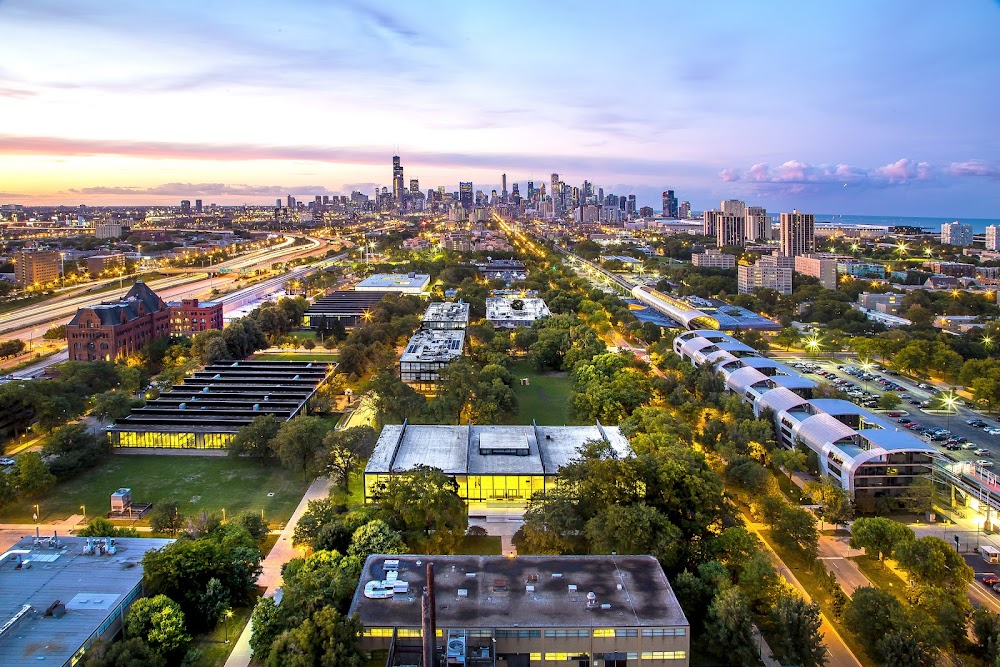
669, 204
955, 233
515, 195
185, 206
503, 188
770, 272
733, 207
326, 199
291, 201
277, 203
710, 222
197, 206
465, 194
798, 233
414, 187
630, 206
531, 190
684, 211
397, 179
758, 224
730, 230
993, 238
36, 267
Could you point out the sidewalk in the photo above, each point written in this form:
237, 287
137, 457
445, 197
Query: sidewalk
270, 577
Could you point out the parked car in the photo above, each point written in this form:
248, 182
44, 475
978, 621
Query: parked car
970, 445
993, 431
6, 462
982, 451
896, 413
952, 447
984, 463
991, 578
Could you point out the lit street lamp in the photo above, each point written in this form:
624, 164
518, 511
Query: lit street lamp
83, 508
950, 402
35, 515
227, 614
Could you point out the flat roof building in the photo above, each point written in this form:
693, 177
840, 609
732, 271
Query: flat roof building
428, 351
446, 315
56, 599
818, 266
348, 308
770, 272
713, 258
493, 465
212, 405
34, 268
529, 610
405, 283
510, 312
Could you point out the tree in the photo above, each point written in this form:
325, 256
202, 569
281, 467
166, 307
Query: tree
901, 649
986, 630
424, 506
345, 450
873, 614
796, 639
30, 475
787, 338
634, 529
919, 495
123, 653
834, 500
101, 527
55, 333
375, 537
932, 561
159, 621
166, 517
298, 442
878, 535
254, 524
327, 639
254, 440
72, 448
889, 401
796, 528
111, 406
729, 629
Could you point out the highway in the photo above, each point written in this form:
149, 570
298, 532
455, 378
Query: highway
21, 323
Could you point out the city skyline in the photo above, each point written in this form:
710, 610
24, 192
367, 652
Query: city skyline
851, 108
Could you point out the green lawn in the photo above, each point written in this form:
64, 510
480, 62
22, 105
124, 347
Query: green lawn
315, 355
545, 399
882, 577
304, 334
198, 483
481, 545
213, 651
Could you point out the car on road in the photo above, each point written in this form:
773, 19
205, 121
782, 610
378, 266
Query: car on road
975, 422
993, 430
914, 401
983, 463
991, 578
912, 426
895, 413
952, 447
6, 462
996, 588
983, 452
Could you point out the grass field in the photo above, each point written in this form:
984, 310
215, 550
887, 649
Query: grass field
545, 399
213, 651
297, 356
197, 483
481, 545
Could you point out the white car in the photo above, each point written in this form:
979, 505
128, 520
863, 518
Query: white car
993, 430
983, 463
6, 462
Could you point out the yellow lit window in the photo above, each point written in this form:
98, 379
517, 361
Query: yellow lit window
664, 655
604, 632
378, 632
534, 657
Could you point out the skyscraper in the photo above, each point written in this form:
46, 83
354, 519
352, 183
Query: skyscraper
414, 187
955, 233
630, 207
397, 179
185, 206
733, 207
669, 204
531, 190
798, 233
993, 238
503, 189
729, 230
758, 224
197, 206
465, 194
684, 210
291, 201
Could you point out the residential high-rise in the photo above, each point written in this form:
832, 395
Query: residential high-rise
758, 224
277, 203
993, 238
414, 187
197, 206
684, 211
291, 201
798, 233
465, 194
957, 234
770, 272
630, 207
397, 179
818, 266
35, 267
503, 188
669, 204
185, 207
710, 222
729, 230
531, 190
733, 207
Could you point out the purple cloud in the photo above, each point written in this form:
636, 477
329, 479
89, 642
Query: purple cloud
900, 172
207, 190
729, 175
976, 168
903, 171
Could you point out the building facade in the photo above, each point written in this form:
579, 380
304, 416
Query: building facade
107, 230
35, 267
770, 272
713, 259
798, 233
993, 238
98, 264
758, 224
529, 611
506, 312
191, 316
861, 452
817, 266
956, 233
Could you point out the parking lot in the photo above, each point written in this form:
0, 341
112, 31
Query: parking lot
823, 370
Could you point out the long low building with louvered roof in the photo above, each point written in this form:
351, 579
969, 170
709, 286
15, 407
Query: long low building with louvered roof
213, 404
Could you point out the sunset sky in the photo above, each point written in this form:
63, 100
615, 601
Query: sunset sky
839, 107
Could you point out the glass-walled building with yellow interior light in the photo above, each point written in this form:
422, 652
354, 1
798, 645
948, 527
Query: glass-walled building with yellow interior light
211, 406
498, 466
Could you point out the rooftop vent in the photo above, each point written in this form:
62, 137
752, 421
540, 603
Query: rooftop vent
463, 592
591, 600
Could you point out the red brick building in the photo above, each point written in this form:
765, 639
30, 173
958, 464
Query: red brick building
189, 316
115, 330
